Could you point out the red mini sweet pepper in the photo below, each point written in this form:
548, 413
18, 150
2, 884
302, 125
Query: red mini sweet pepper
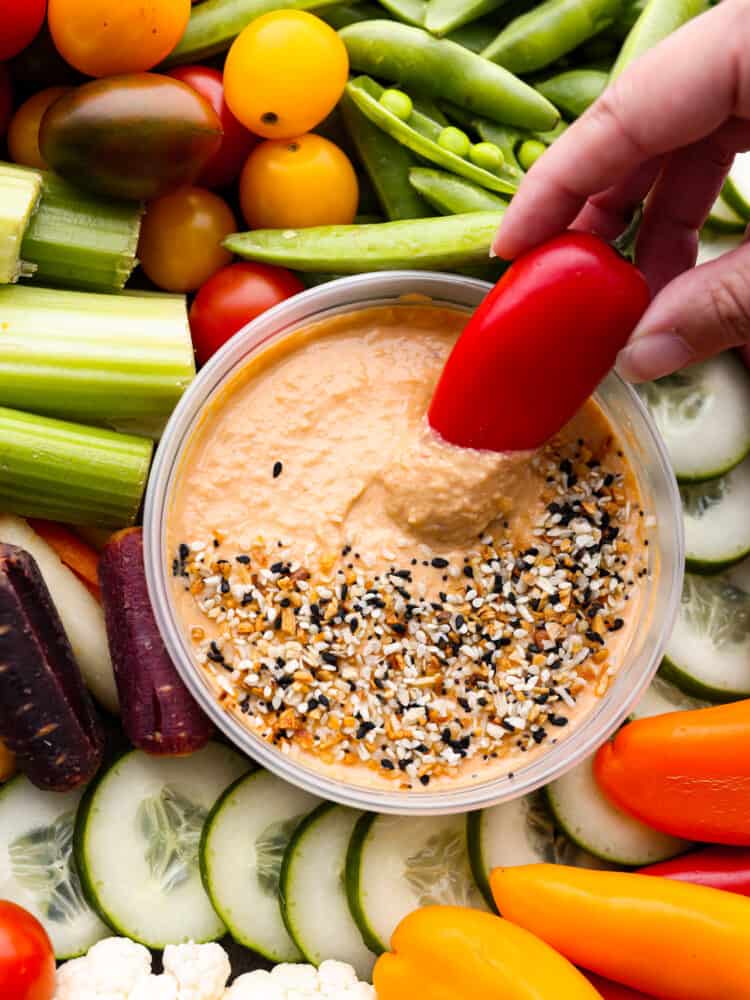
538, 345
726, 868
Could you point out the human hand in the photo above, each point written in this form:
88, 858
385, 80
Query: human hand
668, 128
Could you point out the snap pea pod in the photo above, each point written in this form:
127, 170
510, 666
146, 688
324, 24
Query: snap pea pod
575, 91
506, 138
215, 24
342, 14
387, 163
420, 135
443, 16
407, 11
451, 195
475, 36
544, 34
442, 69
659, 19
442, 243
629, 14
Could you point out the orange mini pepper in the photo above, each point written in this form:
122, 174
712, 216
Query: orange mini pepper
671, 939
450, 953
685, 773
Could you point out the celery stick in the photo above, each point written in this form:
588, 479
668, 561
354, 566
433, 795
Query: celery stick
80, 240
67, 472
120, 361
19, 195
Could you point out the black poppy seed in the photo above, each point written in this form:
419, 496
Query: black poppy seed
439, 562
557, 720
243, 560
424, 779
278, 468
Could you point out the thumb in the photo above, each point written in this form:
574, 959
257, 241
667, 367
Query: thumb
701, 312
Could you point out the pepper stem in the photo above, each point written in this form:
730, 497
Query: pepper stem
625, 242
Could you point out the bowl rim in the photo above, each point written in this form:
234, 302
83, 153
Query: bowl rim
340, 296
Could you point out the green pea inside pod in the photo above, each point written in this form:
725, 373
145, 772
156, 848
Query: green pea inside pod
133, 137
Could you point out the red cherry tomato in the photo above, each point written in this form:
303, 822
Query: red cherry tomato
231, 298
27, 963
20, 21
6, 99
225, 165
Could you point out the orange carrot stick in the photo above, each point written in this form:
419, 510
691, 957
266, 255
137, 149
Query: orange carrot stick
77, 555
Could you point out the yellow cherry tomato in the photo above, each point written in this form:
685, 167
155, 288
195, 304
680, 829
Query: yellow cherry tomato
104, 37
23, 131
284, 73
295, 183
180, 246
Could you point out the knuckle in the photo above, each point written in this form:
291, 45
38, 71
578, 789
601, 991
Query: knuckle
730, 303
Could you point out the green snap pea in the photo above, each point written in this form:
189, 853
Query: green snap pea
387, 163
442, 69
426, 106
475, 36
398, 103
408, 11
454, 140
529, 152
215, 24
659, 19
451, 195
342, 14
542, 35
420, 134
443, 243
486, 155
443, 16
575, 91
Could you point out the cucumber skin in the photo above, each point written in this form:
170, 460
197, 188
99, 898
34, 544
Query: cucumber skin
352, 880
717, 473
79, 842
705, 568
202, 847
675, 675
286, 867
476, 861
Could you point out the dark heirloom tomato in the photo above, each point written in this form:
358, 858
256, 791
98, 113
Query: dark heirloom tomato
135, 136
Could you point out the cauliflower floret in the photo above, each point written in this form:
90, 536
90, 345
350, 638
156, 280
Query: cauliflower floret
361, 991
300, 978
336, 976
109, 972
258, 985
155, 988
201, 970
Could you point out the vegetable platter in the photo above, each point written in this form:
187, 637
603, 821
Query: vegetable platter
171, 172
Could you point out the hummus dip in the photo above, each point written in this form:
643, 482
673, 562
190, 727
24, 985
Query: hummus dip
376, 603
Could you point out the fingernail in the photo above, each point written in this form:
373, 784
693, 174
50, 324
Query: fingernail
652, 356
493, 252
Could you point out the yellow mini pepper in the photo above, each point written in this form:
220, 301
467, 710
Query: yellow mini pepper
666, 938
450, 953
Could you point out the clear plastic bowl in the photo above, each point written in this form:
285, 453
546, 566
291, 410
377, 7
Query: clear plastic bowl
658, 609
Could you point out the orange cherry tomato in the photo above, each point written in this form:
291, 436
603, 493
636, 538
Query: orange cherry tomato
23, 131
284, 73
103, 38
180, 245
294, 183
27, 964
226, 163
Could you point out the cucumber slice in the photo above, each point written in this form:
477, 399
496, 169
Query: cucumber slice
313, 890
724, 219
592, 822
252, 824
703, 413
395, 864
661, 697
708, 654
717, 525
736, 192
37, 867
714, 245
519, 832
136, 843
